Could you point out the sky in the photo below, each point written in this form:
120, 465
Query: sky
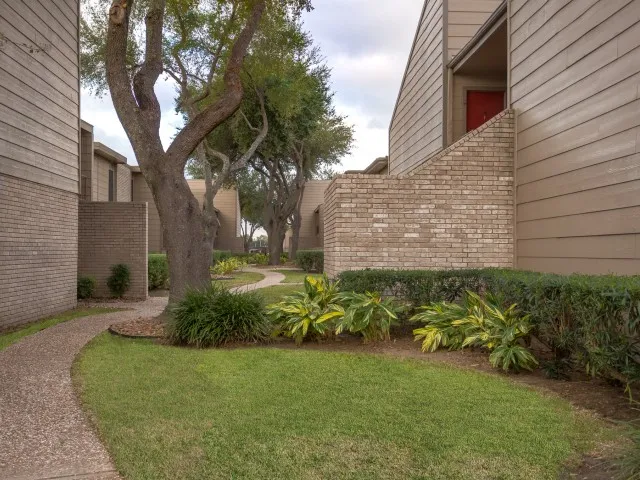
366, 43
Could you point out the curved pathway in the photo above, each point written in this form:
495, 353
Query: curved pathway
271, 278
44, 433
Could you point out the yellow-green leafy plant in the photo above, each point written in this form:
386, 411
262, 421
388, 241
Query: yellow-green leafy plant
367, 314
308, 314
227, 267
478, 323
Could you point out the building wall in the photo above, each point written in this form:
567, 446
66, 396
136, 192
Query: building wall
39, 159
103, 166
465, 17
123, 193
416, 130
575, 70
142, 193
111, 233
86, 164
313, 197
38, 250
455, 211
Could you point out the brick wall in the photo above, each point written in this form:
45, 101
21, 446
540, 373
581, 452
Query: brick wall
124, 193
110, 233
38, 251
455, 210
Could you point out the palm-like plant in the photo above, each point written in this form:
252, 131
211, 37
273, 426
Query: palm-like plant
441, 326
368, 314
309, 313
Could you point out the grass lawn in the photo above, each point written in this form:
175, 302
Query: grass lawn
7, 339
274, 294
241, 278
266, 413
296, 276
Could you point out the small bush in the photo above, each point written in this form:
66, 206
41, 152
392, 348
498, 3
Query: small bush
120, 280
86, 287
367, 314
220, 255
478, 323
311, 261
309, 313
217, 316
227, 267
158, 271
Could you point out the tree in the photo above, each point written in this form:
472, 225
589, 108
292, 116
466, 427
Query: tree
130, 49
252, 199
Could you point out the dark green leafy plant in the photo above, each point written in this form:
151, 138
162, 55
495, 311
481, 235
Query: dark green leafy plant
119, 280
86, 287
310, 313
217, 316
367, 314
158, 271
311, 260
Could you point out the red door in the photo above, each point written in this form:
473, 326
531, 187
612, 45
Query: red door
482, 106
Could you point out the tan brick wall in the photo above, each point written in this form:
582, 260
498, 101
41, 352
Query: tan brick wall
112, 233
124, 193
453, 211
38, 250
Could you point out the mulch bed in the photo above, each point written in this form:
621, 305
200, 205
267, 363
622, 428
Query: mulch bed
140, 328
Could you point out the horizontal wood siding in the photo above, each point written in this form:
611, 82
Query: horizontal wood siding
465, 19
313, 197
39, 94
416, 125
575, 83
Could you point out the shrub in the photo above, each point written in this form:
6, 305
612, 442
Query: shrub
217, 316
367, 314
219, 255
593, 320
309, 313
478, 323
120, 280
311, 261
158, 271
226, 267
86, 287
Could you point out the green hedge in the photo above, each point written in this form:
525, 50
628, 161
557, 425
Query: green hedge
310, 260
592, 320
158, 271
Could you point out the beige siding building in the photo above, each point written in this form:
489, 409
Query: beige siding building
39, 159
312, 216
569, 73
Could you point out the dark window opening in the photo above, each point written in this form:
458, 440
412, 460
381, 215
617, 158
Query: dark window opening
112, 185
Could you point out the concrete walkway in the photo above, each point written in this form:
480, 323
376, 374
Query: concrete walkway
44, 433
271, 278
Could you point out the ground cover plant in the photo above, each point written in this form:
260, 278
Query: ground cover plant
591, 322
278, 292
241, 279
13, 336
265, 413
216, 316
227, 267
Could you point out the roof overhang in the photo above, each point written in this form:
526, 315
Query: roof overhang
376, 166
108, 153
86, 126
497, 19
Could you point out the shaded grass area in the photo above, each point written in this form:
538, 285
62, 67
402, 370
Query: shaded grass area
7, 339
241, 278
274, 294
296, 276
265, 413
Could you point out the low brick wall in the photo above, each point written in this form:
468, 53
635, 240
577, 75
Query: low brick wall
110, 233
453, 211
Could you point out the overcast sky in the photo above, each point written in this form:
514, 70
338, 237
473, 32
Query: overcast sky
365, 42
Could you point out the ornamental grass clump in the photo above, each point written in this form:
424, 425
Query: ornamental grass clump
216, 316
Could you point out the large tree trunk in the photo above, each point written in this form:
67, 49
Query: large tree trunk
188, 249
275, 242
295, 225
